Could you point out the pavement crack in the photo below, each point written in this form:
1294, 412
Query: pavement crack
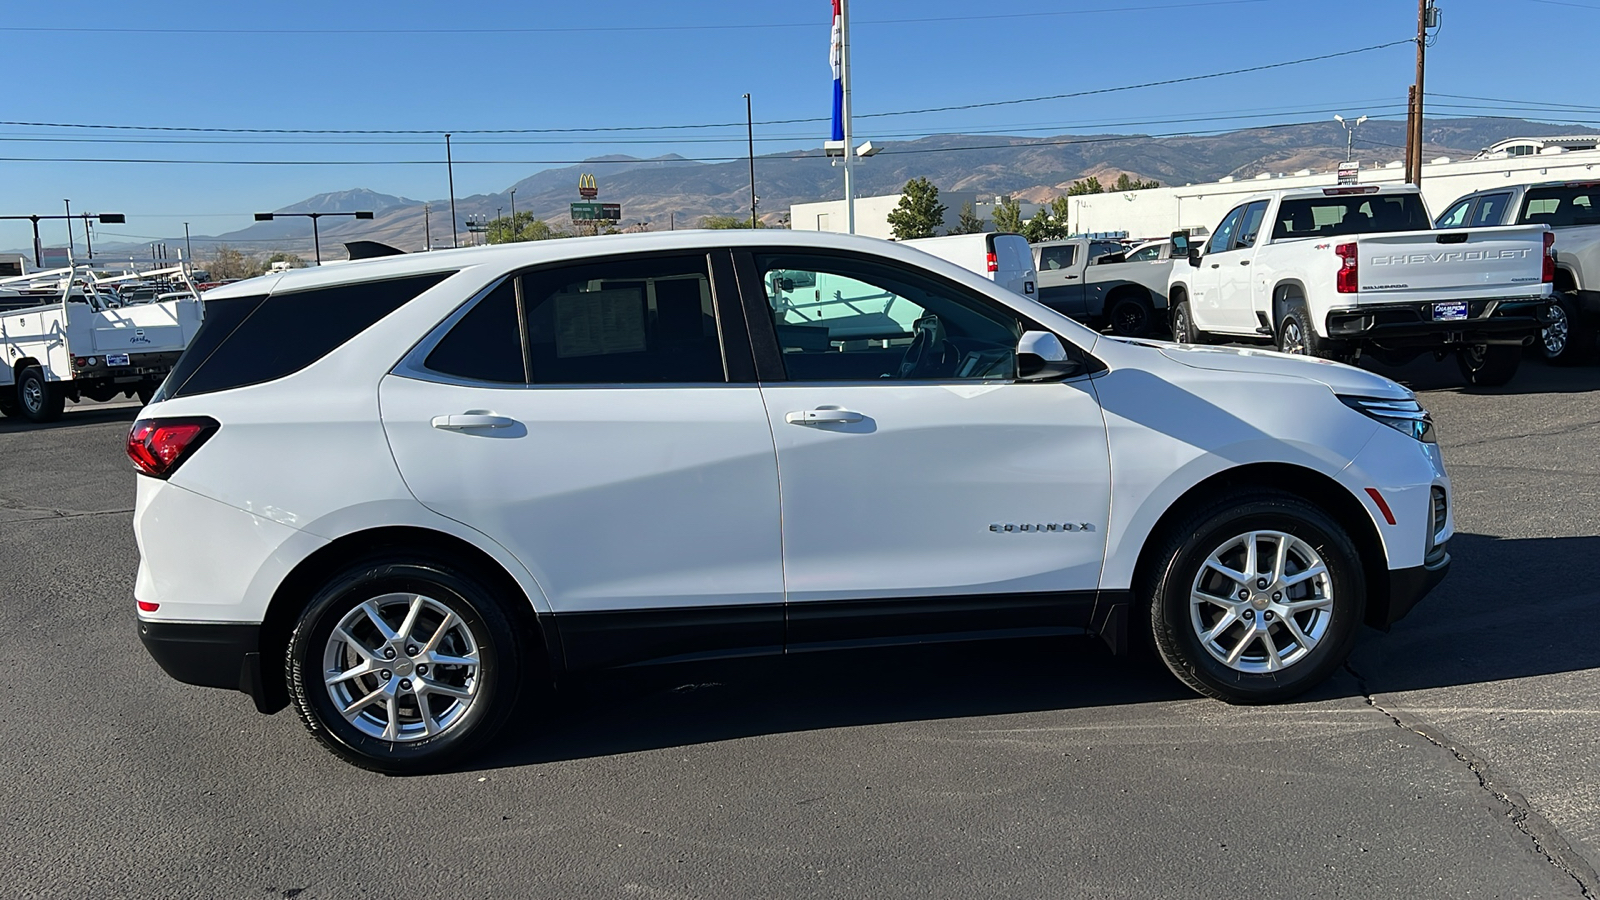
1546, 838
50, 514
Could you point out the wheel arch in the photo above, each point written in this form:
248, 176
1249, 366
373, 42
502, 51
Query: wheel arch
21, 363
1308, 484
1281, 292
1566, 279
296, 588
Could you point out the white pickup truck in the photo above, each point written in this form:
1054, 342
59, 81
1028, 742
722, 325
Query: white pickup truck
1572, 210
85, 343
1343, 271
1098, 283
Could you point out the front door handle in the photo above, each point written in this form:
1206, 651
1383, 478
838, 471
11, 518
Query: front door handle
823, 417
1216, 265
472, 420
1244, 262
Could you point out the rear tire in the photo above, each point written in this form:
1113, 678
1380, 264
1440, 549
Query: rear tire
37, 399
433, 664
1132, 315
1276, 641
1488, 365
1297, 334
1568, 340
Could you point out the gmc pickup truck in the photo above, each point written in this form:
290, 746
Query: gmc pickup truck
1339, 272
1572, 210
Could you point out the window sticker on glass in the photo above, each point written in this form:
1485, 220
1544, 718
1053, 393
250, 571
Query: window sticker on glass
592, 323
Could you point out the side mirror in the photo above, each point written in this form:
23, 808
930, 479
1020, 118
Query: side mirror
1180, 243
1042, 357
1194, 257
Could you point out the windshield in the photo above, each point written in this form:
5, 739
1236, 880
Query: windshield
1558, 206
1350, 214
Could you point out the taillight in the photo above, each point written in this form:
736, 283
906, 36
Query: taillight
158, 446
994, 264
1549, 257
1348, 270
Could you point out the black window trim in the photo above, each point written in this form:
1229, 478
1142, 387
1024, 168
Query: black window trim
769, 355
724, 305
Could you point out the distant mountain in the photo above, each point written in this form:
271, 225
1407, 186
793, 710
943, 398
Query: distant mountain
673, 191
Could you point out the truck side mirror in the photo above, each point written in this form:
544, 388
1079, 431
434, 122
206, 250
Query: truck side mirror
1194, 257
1180, 243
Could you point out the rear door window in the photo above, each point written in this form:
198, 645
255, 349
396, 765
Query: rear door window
1491, 210
1455, 216
251, 340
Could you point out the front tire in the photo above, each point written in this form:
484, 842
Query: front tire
1256, 598
1488, 365
37, 399
402, 666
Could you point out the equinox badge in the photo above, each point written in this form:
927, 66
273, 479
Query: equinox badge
1052, 526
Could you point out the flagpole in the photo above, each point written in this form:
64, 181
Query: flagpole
849, 146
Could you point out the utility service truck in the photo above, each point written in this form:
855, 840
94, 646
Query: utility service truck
87, 342
1354, 270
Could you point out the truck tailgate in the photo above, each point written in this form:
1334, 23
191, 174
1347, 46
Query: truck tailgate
147, 328
1412, 266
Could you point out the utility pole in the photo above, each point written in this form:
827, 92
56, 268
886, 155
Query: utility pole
750, 134
1427, 17
188, 247
450, 167
849, 145
70, 248
427, 229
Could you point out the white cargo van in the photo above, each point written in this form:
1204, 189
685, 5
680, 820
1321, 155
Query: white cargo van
1005, 258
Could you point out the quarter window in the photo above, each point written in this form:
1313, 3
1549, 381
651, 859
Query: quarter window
842, 319
1058, 257
483, 345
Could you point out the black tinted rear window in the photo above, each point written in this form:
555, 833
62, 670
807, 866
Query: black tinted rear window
1350, 214
250, 340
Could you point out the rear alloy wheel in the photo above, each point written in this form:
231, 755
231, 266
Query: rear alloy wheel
1566, 340
1489, 365
1260, 598
37, 399
1183, 328
403, 666
1296, 334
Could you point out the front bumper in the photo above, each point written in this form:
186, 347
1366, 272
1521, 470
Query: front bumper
210, 654
1412, 324
1407, 587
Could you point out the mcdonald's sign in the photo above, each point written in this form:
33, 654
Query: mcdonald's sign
587, 189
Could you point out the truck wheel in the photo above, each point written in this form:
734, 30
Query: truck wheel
1132, 315
1296, 333
1487, 365
1183, 330
1566, 340
38, 399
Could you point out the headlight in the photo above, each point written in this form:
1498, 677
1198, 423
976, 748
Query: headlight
1405, 416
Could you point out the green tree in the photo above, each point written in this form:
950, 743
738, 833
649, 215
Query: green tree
1008, 216
1090, 185
1124, 183
729, 222
1045, 226
1060, 207
920, 214
293, 259
968, 222
522, 227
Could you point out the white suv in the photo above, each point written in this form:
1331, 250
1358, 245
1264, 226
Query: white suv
401, 493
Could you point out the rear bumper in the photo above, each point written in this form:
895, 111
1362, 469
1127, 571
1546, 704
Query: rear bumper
210, 654
1412, 324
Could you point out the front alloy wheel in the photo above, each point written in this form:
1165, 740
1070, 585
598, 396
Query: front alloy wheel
1256, 597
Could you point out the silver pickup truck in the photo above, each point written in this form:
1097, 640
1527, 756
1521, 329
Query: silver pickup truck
1101, 284
1571, 210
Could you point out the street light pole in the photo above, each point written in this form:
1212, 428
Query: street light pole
513, 208
187, 247
316, 238
1349, 134
70, 247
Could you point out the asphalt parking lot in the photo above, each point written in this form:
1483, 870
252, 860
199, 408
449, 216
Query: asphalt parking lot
1458, 756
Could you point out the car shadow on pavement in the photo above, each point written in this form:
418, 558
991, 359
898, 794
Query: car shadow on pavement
1509, 609
1534, 376
75, 416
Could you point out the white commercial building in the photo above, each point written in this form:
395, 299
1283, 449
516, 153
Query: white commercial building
1157, 212
872, 213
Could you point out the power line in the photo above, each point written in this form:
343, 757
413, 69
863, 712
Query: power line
593, 130
609, 28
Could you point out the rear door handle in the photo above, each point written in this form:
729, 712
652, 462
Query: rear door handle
822, 417
1244, 262
1216, 265
472, 420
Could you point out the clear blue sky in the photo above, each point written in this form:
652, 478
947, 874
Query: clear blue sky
296, 64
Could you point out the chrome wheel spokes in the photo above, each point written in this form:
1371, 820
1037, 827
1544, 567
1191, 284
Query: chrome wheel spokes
1293, 340
1554, 335
1261, 601
402, 667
